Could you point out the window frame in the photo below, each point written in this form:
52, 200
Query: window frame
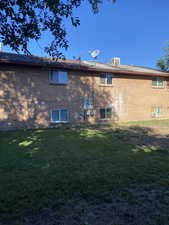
58, 82
106, 78
158, 80
59, 121
106, 118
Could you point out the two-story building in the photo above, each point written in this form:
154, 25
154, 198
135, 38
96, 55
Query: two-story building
42, 92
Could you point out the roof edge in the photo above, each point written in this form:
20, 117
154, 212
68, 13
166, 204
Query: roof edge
85, 69
61, 64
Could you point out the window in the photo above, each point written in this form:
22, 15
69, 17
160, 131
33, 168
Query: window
158, 82
58, 77
59, 115
106, 113
158, 111
88, 103
106, 79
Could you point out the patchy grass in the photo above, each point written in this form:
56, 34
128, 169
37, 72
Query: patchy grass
54, 173
148, 123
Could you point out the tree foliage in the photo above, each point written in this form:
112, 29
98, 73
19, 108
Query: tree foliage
163, 63
23, 20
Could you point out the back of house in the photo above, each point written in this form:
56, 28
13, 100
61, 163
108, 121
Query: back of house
43, 92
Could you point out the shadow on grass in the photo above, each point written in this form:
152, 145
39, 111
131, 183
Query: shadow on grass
144, 138
79, 175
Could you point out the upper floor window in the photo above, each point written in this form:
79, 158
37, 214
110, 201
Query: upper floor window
106, 113
59, 77
158, 82
59, 115
106, 79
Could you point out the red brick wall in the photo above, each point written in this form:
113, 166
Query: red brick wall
26, 97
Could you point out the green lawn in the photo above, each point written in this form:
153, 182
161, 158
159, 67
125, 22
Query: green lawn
156, 123
56, 169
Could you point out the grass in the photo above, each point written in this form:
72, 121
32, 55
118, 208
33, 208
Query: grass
47, 168
157, 123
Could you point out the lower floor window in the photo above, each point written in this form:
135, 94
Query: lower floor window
158, 111
106, 113
59, 115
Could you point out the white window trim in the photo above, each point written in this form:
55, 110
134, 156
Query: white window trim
108, 85
54, 82
106, 119
58, 121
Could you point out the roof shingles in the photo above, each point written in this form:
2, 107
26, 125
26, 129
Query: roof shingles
17, 59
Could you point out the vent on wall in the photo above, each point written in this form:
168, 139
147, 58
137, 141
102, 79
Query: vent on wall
115, 61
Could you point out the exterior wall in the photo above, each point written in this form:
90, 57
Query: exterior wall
27, 97
139, 98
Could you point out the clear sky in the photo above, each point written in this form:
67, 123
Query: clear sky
134, 30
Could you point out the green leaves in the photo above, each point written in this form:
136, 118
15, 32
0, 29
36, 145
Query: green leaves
21, 21
163, 63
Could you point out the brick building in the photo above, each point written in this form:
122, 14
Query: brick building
41, 92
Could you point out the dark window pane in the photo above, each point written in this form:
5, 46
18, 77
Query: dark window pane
102, 113
63, 115
55, 115
154, 82
109, 79
108, 113
103, 79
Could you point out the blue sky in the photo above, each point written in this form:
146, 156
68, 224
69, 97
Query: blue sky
135, 31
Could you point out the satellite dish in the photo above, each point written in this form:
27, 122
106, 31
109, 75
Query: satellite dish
95, 53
